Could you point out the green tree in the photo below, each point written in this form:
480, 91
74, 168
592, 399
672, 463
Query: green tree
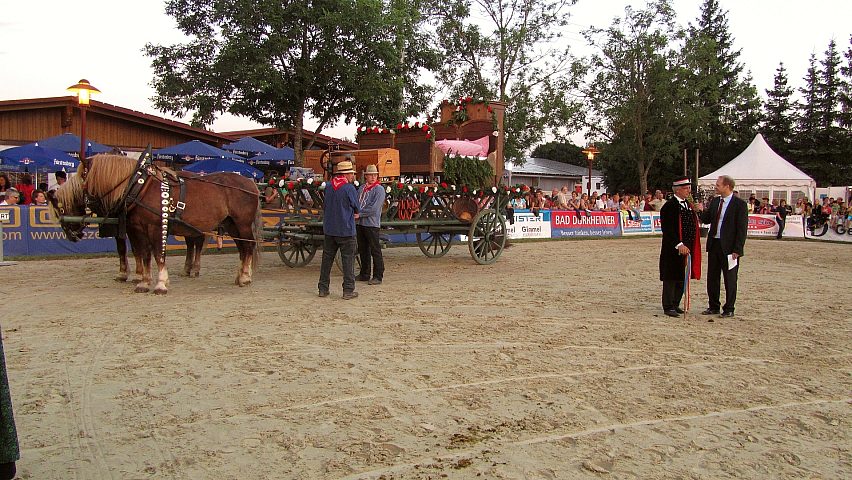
822, 146
563, 152
631, 97
846, 90
779, 113
276, 62
511, 51
713, 88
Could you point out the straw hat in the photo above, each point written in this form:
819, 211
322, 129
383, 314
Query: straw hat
344, 167
371, 169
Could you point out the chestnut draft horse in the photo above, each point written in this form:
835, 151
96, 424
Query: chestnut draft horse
159, 205
69, 200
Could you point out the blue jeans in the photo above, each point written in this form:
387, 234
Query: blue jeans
330, 245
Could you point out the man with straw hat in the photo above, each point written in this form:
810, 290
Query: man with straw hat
681, 243
340, 209
371, 199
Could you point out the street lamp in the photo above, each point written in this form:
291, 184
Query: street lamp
84, 90
590, 153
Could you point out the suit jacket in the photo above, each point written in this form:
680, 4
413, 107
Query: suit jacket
734, 225
672, 263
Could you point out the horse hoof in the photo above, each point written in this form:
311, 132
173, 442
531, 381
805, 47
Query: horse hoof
195, 274
141, 290
160, 291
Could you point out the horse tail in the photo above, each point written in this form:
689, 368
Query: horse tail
257, 229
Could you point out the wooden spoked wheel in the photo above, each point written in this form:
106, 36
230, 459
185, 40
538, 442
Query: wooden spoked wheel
295, 252
434, 245
487, 236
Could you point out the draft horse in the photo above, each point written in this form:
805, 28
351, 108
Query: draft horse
157, 203
70, 200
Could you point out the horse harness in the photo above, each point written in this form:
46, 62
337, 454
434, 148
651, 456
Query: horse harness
171, 207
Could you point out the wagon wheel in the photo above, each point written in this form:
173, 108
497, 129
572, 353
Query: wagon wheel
487, 236
434, 245
296, 252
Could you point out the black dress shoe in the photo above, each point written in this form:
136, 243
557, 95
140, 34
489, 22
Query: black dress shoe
671, 313
678, 310
362, 278
727, 314
710, 311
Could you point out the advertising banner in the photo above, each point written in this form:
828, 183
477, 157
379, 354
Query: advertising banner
529, 225
650, 224
566, 223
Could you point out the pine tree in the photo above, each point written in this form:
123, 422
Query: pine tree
713, 75
778, 113
828, 89
846, 90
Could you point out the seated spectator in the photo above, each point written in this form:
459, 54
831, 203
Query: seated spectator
593, 200
548, 202
61, 178
11, 197
629, 204
26, 188
519, 203
538, 202
562, 198
614, 203
800, 206
603, 203
658, 201
4, 183
585, 205
39, 198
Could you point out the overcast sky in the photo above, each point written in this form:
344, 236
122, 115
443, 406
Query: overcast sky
47, 45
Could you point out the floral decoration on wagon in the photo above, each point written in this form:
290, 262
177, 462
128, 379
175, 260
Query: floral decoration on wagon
402, 127
291, 186
466, 108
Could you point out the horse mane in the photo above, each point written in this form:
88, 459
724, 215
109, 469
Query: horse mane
70, 196
108, 176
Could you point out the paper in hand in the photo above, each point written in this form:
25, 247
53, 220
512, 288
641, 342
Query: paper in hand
732, 262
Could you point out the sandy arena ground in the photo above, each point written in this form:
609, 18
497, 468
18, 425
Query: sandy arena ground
556, 362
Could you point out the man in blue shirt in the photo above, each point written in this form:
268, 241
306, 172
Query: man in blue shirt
371, 199
340, 209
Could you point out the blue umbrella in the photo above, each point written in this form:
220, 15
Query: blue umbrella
248, 146
192, 151
34, 157
212, 165
70, 143
280, 156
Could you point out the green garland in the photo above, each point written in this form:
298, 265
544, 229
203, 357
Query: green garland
470, 171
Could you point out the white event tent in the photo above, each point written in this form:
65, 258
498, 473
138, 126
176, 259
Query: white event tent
759, 170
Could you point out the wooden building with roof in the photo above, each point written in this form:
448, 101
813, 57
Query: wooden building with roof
28, 120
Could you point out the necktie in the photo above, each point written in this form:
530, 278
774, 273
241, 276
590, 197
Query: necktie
719, 214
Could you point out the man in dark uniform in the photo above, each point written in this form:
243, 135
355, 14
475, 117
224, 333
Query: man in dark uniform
728, 219
679, 224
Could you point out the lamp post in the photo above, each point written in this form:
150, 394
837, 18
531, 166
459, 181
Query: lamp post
590, 153
84, 90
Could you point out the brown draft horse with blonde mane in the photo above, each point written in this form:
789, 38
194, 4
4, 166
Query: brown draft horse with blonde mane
228, 199
69, 200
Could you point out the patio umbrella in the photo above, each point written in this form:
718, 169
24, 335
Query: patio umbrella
280, 156
193, 151
70, 143
34, 157
212, 165
248, 147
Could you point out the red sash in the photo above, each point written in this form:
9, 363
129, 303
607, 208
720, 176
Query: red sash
695, 249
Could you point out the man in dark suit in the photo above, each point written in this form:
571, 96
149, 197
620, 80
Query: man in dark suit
679, 225
728, 219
